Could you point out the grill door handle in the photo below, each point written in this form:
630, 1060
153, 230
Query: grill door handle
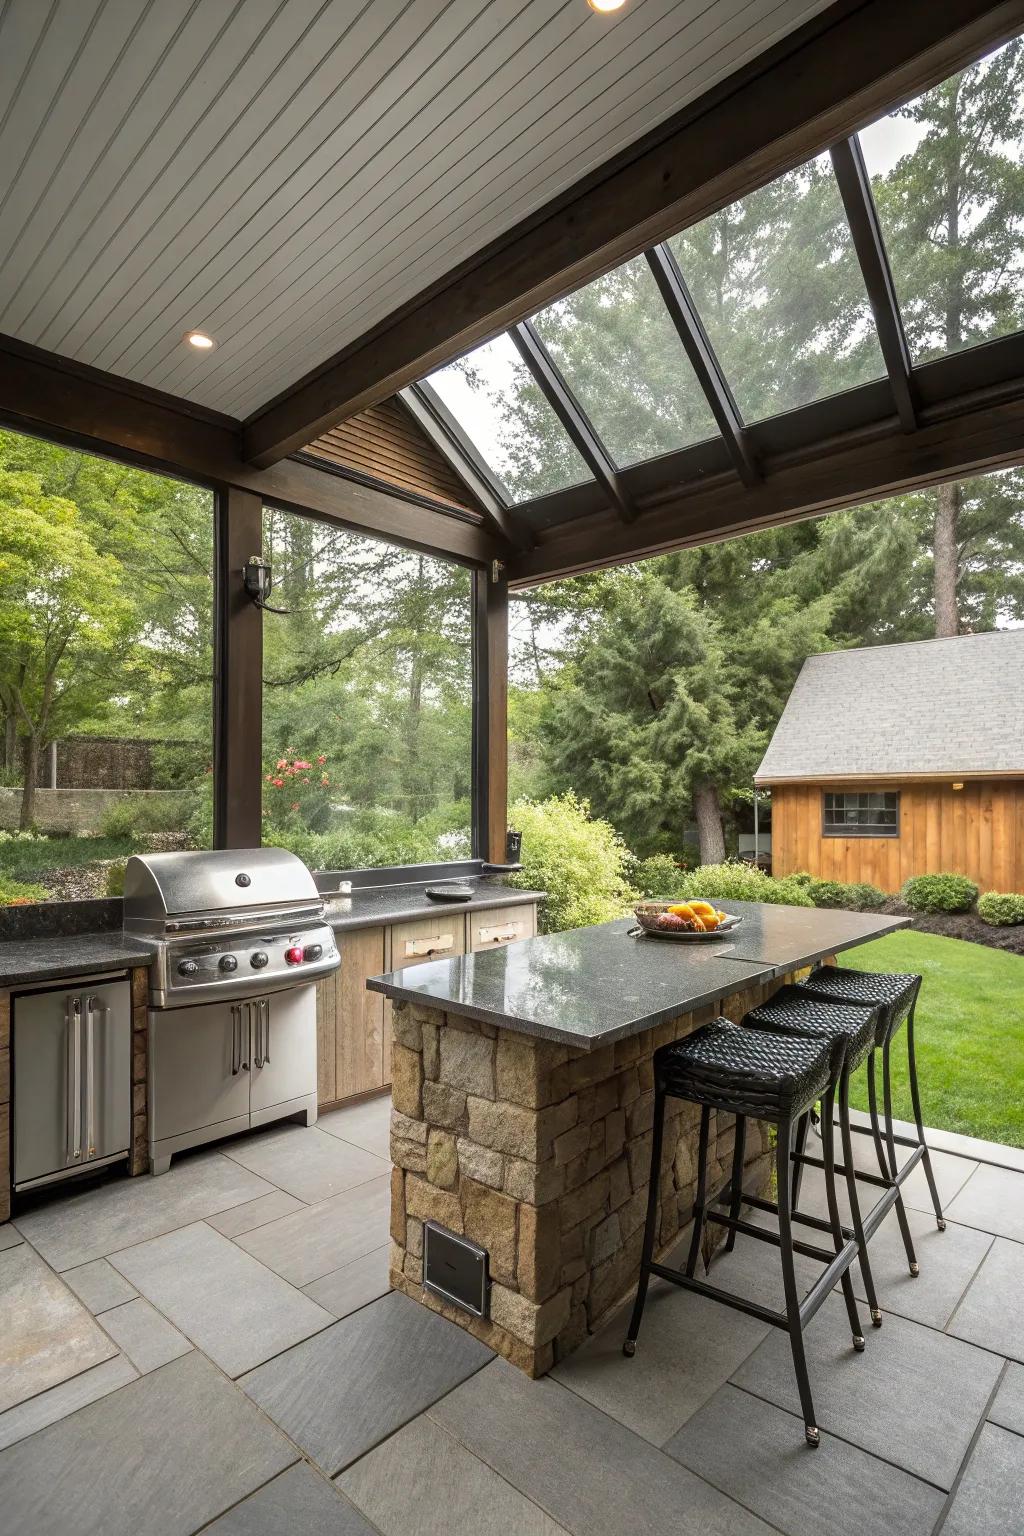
257, 1058
90, 1077
265, 1006
245, 1035
73, 1023
236, 1040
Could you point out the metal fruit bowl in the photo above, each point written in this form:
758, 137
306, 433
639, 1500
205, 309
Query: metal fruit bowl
648, 914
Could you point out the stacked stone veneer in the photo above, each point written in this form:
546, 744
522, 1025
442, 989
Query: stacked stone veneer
541, 1154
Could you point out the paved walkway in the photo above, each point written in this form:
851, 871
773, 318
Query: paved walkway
217, 1350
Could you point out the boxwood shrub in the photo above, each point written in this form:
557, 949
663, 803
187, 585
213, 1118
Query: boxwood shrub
740, 882
940, 893
1001, 908
857, 896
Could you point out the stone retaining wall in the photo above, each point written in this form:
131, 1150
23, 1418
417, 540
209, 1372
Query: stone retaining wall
541, 1155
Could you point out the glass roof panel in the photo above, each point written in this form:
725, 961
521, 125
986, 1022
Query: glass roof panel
947, 171
493, 397
775, 280
620, 354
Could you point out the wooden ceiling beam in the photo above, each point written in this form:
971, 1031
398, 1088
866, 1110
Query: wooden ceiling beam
865, 465
841, 70
47, 395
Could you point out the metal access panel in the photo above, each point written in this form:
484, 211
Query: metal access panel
455, 1269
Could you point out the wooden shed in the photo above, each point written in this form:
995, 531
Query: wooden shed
902, 760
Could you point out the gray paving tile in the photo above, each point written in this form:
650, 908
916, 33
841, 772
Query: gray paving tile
99, 1285
161, 1457
298, 1503
757, 1453
1008, 1408
422, 1482
949, 1261
688, 1347
17, 1423
990, 1497
951, 1174
148, 1339
894, 1399
366, 1125
593, 1476
9, 1236
992, 1311
307, 1162
255, 1213
992, 1199
97, 1222
47, 1335
340, 1394
346, 1290
222, 1299
318, 1238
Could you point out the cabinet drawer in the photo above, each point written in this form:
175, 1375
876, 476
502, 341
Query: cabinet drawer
430, 938
501, 925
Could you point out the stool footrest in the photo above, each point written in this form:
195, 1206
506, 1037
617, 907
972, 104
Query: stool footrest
738, 1303
766, 1235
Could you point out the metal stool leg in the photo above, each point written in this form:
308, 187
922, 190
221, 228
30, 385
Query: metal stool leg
736, 1187
783, 1156
701, 1195
803, 1125
651, 1225
851, 1189
883, 1163
828, 1157
915, 1099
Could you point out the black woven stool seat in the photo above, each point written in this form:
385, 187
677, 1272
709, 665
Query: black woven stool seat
895, 993
792, 1011
745, 1071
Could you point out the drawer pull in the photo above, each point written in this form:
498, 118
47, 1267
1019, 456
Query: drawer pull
433, 946
500, 935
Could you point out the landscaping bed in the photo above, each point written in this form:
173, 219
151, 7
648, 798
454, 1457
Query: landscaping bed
962, 925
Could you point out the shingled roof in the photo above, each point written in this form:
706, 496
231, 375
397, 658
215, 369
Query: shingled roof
927, 707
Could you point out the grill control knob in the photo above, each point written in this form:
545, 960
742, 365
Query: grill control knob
312, 952
188, 967
228, 963
294, 954
258, 959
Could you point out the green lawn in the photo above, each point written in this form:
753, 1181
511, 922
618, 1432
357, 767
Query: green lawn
969, 1033
27, 860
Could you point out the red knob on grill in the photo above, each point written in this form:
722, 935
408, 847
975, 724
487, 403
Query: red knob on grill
293, 955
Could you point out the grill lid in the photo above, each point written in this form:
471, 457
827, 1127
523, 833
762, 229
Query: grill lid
162, 887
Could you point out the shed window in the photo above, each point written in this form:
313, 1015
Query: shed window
864, 813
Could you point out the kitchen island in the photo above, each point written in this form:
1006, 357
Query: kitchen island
522, 1094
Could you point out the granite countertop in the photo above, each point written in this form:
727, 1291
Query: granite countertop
377, 905
48, 958
590, 986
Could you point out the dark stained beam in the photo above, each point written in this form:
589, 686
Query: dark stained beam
862, 217
575, 422
845, 67
679, 303
490, 714
238, 677
864, 465
86, 408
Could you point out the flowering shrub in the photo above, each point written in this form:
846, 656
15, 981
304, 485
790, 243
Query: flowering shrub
297, 792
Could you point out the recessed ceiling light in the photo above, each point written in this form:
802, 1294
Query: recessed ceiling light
199, 340
606, 5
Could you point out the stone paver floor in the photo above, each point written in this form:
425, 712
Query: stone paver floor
217, 1350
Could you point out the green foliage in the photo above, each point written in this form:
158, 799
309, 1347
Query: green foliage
14, 893
1003, 909
858, 896
114, 885
29, 858
136, 815
579, 860
940, 893
740, 882
657, 878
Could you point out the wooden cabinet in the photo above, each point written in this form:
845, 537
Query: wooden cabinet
354, 1025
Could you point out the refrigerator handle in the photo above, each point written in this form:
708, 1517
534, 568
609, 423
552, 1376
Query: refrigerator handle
73, 1022
90, 1077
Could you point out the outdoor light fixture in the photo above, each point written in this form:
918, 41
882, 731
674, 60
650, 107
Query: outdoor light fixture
259, 582
606, 5
199, 340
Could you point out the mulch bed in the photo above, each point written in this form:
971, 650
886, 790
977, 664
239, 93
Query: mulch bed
962, 925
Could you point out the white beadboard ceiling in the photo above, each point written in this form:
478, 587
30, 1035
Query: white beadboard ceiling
284, 173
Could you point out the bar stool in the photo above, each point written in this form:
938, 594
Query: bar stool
898, 996
770, 1077
854, 1027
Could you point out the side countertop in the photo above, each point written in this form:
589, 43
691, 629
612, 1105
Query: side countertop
51, 957
379, 905
590, 986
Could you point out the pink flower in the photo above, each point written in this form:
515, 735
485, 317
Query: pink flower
278, 783
324, 780
282, 762
321, 759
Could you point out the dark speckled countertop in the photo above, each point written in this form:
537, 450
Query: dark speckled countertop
49, 958
382, 904
590, 986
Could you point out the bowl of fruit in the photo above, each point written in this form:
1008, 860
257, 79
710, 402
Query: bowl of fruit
687, 920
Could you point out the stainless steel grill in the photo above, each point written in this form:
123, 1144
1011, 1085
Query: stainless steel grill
226, 923
238, 939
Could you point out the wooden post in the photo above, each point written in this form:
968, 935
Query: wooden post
238, 676
490, 712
